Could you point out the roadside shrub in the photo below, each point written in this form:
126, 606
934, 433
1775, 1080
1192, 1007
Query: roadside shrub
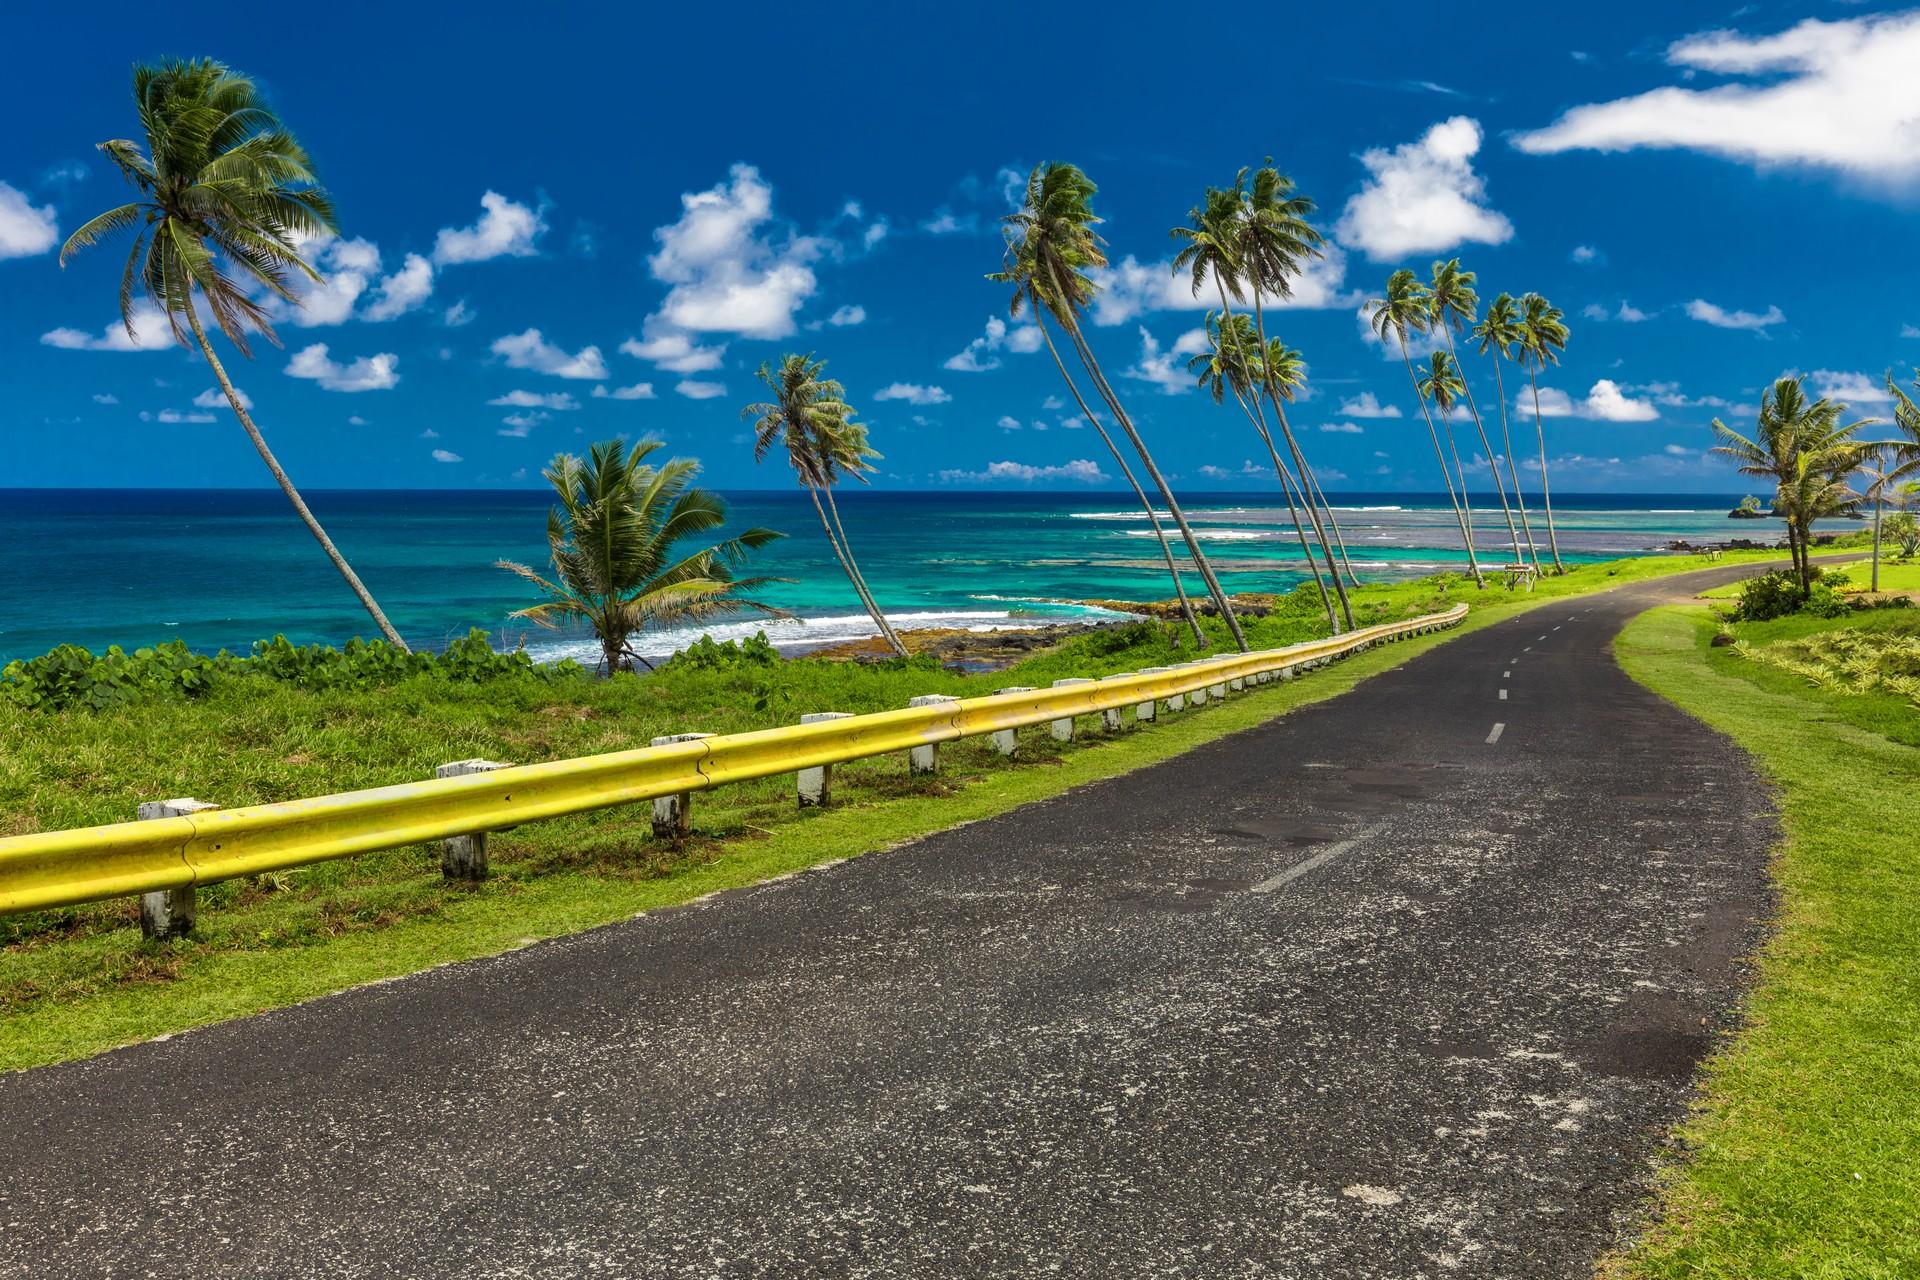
71, 676
1769, 596
705, 655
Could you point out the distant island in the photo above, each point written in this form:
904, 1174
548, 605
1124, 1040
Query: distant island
1749, 509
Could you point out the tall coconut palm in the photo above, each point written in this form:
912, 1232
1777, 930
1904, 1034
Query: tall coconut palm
1454, 301
1400, 311
1286, 373
226, 196
1543, 336
1255, 241
1499, 334
1231, 363
617, 562
1029, 294
1053, 231
810, 414
1802, 446
1881, 467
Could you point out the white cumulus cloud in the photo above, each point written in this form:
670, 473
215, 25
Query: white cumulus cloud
215, 398
1079, 471
913, 393
1131, 288
368, 373
1721, 318
980, 355
505, 230
530, 350
1850, 388
1838, 95
536, 400
843, 316
675, 352
1423, 197
1367, 405
1607, 401
1343, 428
1167, 370
728, 274
638, 391
150, 333
694, 389
404, 290
25, 229
446, 455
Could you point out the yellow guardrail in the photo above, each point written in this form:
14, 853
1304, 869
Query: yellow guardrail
61, 868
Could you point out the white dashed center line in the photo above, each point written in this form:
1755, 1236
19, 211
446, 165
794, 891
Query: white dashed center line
1506, 675
1503, 695
1319, 859
1494, 737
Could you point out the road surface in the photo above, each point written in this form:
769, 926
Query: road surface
1407, 983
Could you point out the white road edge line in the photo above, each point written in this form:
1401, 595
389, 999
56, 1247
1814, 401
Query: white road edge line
1319, 859
1498, 729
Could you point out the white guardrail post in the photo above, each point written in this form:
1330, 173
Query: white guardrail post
672, 815
465, 857
814, 786
1144, 711
926, 758
1110, 718
170, 913
1062, 729
1007, 741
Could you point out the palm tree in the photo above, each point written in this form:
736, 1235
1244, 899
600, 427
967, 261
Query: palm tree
1051, 235
1454, 302
614, 541
1803, 448
1029, 294
1286, 372
223, 188
1499, 333
1231, 363
1403, 309
1543, 336
810, 413
1257, 240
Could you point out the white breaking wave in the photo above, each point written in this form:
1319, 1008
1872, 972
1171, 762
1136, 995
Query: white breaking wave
801, 633
1117, 515
1209, 535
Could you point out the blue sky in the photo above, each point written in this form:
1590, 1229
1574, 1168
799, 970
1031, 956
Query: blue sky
598, 220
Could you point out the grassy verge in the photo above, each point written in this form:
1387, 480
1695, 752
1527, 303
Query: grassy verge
1802, 1156
78, 981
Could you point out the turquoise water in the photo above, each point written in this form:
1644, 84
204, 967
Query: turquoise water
223, 568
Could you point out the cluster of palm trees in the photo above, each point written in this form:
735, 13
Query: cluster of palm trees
225, 197
1530, 330
1813, 459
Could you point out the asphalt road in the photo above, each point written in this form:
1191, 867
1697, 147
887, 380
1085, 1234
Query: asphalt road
1408, 983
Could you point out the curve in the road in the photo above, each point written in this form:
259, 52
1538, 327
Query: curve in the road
1406, 983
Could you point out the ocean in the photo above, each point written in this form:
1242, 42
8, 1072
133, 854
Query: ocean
222, 568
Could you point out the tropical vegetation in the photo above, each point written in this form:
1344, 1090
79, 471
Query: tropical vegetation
618, 563
226, 198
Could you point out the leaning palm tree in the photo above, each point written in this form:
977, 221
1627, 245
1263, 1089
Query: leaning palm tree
1453, 299
1030, 295
1499, 333
1255, 241
1285, 370
811, 415
1543, 336
1800, 445
1403, 309
617, 563
1052, 235
226, 196
1231, 363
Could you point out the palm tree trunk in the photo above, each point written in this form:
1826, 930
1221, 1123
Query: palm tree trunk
1120, 416
1493, 464
1546, 490
1506, 439
286, 486
1466, 537
1879, 500
1120, 460
1299, 459
860, 579
846, 567
1333, 522
1287, 487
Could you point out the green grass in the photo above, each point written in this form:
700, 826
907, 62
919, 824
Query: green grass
77, 981
1802, 1156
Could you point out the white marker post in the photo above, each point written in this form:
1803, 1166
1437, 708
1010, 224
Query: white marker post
1007, 741
170, 913
926, 758
465, 857
672, 815
1062, 729
815, 785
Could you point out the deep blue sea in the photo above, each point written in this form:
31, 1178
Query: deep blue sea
222, 568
